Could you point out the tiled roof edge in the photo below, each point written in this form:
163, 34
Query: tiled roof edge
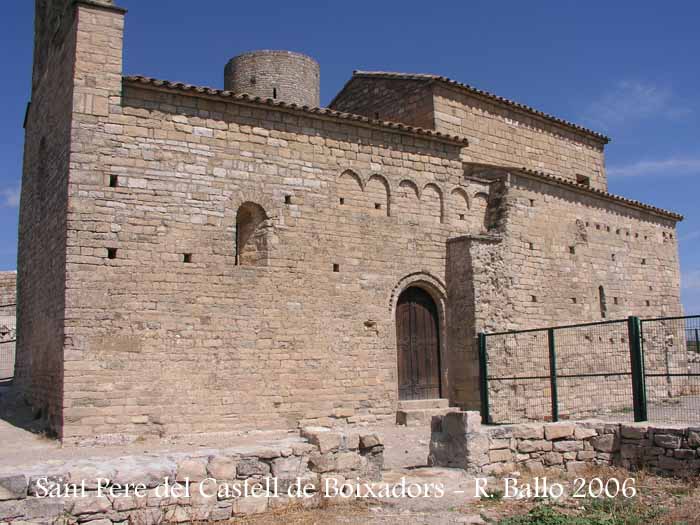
610, 196
478, 92
311, 111
106, 7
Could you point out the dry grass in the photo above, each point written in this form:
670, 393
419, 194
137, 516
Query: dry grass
665, 501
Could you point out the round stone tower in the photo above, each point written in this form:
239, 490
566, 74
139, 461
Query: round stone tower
281, 75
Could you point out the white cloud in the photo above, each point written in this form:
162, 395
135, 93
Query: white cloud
9, 197
691, 280
628, 101
691, 301
687, 166
690, 236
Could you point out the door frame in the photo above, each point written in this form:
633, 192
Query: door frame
437, 291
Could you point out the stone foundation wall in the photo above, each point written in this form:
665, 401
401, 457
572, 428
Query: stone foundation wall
459, 440
8, 324
8, 289
200, 485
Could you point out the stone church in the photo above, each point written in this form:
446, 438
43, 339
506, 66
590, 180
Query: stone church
196, 259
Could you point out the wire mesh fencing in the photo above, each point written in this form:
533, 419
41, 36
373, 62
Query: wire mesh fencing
548, 374
672, 368
623, 370
598, 383
8, 337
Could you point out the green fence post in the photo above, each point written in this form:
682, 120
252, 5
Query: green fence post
483, 380
553, 375
639, 395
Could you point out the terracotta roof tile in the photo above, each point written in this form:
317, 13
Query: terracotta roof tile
478, 92
601, 193
336, 115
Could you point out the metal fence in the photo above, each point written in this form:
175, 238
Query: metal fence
8, 337
671, 368
627, 369
692, 338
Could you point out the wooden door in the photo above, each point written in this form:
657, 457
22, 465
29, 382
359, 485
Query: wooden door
418, 342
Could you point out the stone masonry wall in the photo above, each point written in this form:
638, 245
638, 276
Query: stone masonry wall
406, 101
206, 485
507, 136
8, 288
148, 313
42, 219
458, 440
8, 323
264, 345
282, 75
157, 344
498, 134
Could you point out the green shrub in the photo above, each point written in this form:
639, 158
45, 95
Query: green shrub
595, 512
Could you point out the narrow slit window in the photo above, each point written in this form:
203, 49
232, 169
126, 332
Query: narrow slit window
187, 258
111, 253
572, 250
274, 92
377, 206
287, 199
341, 200
603, 303
336, 268
113, 181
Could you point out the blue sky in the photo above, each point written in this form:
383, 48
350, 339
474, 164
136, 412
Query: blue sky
627, 69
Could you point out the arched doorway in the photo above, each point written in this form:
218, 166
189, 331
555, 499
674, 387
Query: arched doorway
418, 341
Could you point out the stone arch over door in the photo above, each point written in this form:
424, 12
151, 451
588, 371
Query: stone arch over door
418, 345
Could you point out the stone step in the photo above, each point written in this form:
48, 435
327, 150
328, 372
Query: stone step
423, 404
419, 417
